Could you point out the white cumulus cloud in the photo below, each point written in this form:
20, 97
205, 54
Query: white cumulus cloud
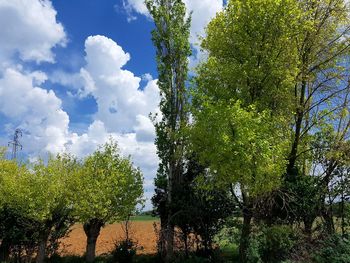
123, 106
36, 111
30, 31
29, 28
117, 91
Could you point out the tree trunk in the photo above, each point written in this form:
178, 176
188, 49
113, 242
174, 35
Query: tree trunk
308, 222
185, 239
342, 212
328, 222
40, 258
169, 225
92, 231
245, 235
169, 242
162, 237
5, 250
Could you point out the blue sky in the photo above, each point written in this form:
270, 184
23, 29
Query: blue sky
74, 73
107, 18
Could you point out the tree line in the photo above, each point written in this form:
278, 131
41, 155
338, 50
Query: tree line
260, 130
41, 200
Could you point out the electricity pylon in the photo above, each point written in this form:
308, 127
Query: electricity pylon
15, 143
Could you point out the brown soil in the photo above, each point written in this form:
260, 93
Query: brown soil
142, 232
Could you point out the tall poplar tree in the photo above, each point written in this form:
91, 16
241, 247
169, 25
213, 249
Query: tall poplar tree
171, 39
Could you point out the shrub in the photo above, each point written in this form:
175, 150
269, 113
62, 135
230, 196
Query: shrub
335, 249
124, 252
272, 244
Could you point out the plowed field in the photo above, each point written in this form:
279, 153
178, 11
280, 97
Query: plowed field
141, 231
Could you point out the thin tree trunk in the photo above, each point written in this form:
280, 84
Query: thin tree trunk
162, 237
328, 222
92, 231
298, 126
245, 235
342, 211
308, 222
169, 242
42, 247
5, 250
186, 244
169, 226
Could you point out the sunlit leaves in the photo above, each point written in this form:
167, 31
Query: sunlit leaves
240, 145
108, 187
37, 190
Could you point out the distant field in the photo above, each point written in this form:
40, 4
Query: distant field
144, 218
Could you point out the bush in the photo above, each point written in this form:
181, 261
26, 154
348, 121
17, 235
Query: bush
124, 252
272, 244
334, 249
279, 242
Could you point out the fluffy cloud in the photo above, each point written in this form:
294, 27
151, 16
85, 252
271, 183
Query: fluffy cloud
37, 111
202, 12
129, 6
122, 108
122, 105
31, 30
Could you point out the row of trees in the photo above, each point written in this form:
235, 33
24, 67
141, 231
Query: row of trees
270, 116
40, 201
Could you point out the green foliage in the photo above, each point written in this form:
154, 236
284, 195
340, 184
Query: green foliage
251, 55
39, 190
124, 252
240, 145
40, 202
36, 203
199, 212
335, 249
242, 99
272, 244
171, 39
228, 236
2, 152
107, 187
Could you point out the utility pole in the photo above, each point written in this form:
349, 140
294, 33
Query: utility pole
15, 143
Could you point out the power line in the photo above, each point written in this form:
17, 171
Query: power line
15, 143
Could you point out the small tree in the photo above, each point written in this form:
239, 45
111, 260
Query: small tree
8, 169
107, 189
38, 199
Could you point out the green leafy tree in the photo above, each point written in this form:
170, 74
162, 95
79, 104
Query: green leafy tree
323, 44
320, 95
107, 189
170, 38
243, 99
8, 169
39, 194
283, 62
243, 148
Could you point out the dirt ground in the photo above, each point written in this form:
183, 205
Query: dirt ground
142, 232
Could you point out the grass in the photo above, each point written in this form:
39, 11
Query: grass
141, 218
